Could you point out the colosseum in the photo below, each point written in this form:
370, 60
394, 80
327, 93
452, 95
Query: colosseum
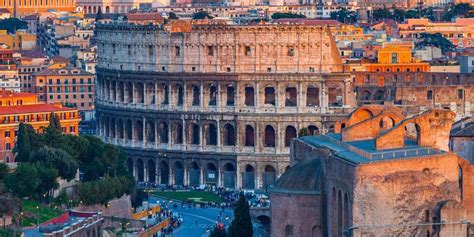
216, 104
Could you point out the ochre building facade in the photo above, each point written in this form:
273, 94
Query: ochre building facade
216, 104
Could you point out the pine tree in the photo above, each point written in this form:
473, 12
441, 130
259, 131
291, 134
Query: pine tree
241, 226
23, 147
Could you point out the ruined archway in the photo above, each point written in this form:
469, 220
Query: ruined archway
163, 132
164, 172
412, 134
193, 134
140, 171
211, 134
211, 174
269, 176
177, 133
312, 97
178, 173
290, 133
138, 130
249, 96
229, 175
229, 135
249, 136
270, 96
194, 174
269, 136
151, 171
248, 177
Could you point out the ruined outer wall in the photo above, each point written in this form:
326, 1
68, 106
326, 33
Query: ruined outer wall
218, 49
399, 192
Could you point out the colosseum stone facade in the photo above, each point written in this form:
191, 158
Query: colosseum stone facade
216, 104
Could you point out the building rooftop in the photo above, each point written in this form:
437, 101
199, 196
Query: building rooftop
66, 71
34, 108
8, 94
303, 178
364, 151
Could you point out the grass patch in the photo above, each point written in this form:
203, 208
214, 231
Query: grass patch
192, 196
34, 212
7, 233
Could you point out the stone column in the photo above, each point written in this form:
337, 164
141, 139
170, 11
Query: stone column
157, 142
145, 94
185, 105
201, 95
171, 174
201, 133
134, 94
218, 97
145, 171
185, 178
183, 127
299, 104
156, 97
219, 130
257, 96
144, 132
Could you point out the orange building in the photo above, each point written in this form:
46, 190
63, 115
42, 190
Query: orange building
16, 108
29, 7
397, 57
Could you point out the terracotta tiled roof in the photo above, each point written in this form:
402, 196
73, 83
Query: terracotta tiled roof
7, 93
145, 16
36, 108
56, 71
4, 10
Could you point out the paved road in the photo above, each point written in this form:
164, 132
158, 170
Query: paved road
204, 217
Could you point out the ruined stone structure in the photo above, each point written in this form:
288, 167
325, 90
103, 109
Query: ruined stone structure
417, 91
216, 104
398, 178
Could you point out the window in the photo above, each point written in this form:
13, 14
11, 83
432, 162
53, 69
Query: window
460, 94
8, 146
248, 51
394, 58
288, 231
291, 51
210, 50
177, 50
150, 50
50, 81
7, 133
429, 95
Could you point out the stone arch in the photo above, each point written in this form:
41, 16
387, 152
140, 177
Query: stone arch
379, 95
269, 137
359, 115
196, 97
128, 129
229, 135
194, 174
230, 94
163, 132
180, 95
229, 175
335, 96
269, 176
291, 96
150, 130
121, 91
346, 219
112, 127
249, 136
212, 95
178, 173
366, 95
129, 92
138, 130
164, 172
140, 95
193, 134
412, 133
313, 130
151, 168
177, 133
249, 96
150, 93
248, 177
165, 95
270, 97
211, 173
290, 133
107, 9
140, 170
211, 134
312, 96
386, 122
265, 223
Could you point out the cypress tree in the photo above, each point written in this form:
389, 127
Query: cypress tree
54, 122
23, 147
99, 15
241, 226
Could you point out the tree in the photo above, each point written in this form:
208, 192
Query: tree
202, 15
13, 24
54, 122
58, 159
382, 13
280, 15
436, 40
241, 226
458, 10
22, 148
3, 170
48, 180
24, 182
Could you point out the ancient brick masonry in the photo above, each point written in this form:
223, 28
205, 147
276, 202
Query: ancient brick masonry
398, 178
216, 104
